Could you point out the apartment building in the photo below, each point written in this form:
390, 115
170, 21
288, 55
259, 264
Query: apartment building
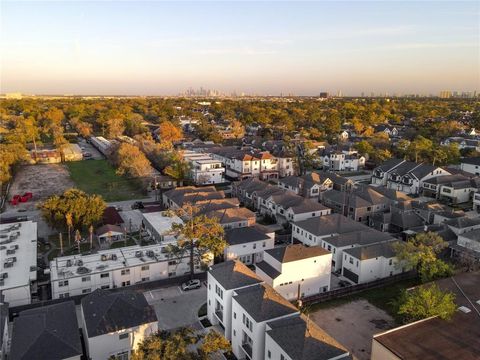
18, 261
471, 165
114, 268
296, 271
114, 324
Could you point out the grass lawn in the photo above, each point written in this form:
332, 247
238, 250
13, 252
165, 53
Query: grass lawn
99, 177
119, 244
381, 297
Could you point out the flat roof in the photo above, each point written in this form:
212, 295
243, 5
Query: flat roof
160, 221
434, 338
107, 260
18, 254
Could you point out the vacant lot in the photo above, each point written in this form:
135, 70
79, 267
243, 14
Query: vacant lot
353, 325
99, 177
42, 180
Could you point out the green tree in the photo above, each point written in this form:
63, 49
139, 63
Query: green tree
199, 235
426, 301
178, 168
213, 342
421, 253
85, 209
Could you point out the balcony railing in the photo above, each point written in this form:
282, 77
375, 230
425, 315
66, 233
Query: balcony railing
247, 348
219, 314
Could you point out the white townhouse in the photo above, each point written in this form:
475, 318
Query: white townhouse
204, 169
470, 240
342, 160
461, 225
114, 268
298, 338
366, 263
223, 279
454, 189
296, 271
470, 165
114, 324
247, 244
18, 262
252, 308
289, 207
406, 176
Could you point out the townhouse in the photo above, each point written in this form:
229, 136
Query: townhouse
204, 169
252, 315
47, 332
345, 160
223, 279
391, 131
114, 268
313, 184
287, 207
245, 190
242, 164
247, 244
471, 165
405, 176
114, 324
453, 189
233, 217
296, 271
370, 262
336, 233
18, 261
359, 204
470, 241
461, 225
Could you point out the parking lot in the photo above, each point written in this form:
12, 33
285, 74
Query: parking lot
89, 148
176, 308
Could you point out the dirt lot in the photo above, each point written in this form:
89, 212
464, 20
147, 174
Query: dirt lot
354, 325
42, 180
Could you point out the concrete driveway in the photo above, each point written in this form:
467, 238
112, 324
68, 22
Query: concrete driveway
176, 308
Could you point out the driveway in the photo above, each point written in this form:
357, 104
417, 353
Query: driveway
176, 308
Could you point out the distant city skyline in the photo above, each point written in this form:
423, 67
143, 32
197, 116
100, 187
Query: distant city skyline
263, 48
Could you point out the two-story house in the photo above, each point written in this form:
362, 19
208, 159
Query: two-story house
296, 271
247, 244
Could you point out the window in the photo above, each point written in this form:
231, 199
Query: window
173, 262
254, 246
313, 214
264, 244
146, 278
357, 263
105, 275
234, 315
86, 278
123, 336
105, 287
269, 354
248, 323
329, 248
86, 291
125, 272
145, 267
219, 291
350, 260
282, 357
126, 283
63, 283
390, 262
64, 295
122, 356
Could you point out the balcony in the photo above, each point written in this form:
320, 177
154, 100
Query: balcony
247, 348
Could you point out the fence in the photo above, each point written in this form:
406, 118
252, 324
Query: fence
349, 290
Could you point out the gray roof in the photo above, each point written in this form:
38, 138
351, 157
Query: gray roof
285, 254
234, 275
463, 222
49, 332
471, 161
263, 303
268, 269
251, 185
244, 235
297, 203
193, 194
362, 237
371, 251
472, 235
107, 312
390, 164
330, 224
304, 340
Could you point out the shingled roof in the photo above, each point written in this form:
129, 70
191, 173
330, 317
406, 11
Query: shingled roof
304, 340
49, 332
106, 312
330, 224
234, 275
296, 252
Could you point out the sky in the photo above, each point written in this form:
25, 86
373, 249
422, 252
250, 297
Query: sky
256, 47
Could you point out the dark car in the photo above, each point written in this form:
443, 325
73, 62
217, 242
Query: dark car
137, 205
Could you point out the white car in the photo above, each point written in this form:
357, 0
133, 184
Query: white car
191, 284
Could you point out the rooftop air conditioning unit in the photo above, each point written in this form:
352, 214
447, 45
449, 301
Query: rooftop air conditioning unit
464, 309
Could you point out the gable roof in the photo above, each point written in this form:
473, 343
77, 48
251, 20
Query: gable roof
362, 237
263, 303
471, 161
244, 235
304, 340
296, 252
111, 216
371, 251
108, 228
330, 224
234, 275
106, 312
389, 165
49, 332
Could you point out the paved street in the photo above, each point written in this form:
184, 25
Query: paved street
176, 308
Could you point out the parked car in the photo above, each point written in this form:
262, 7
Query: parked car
137, 205
191, 285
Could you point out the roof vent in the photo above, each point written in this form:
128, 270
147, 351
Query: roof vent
464, 309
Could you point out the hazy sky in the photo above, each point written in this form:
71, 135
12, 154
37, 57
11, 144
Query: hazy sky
296, 47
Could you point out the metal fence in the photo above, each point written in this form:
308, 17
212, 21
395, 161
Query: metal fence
349, 290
